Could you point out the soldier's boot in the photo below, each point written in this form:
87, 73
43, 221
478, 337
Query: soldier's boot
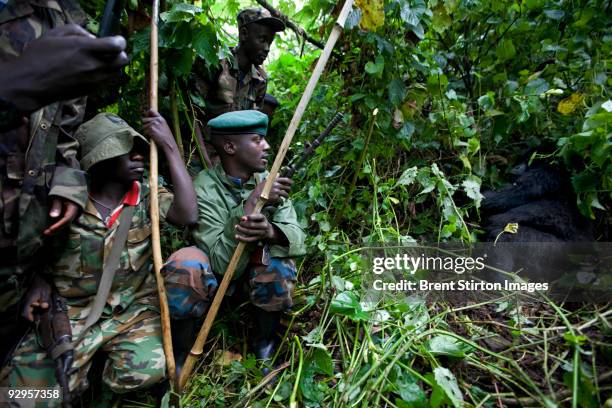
183, 336
264, 344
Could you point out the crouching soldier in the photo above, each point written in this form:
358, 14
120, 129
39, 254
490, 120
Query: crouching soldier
226, 195
103, 269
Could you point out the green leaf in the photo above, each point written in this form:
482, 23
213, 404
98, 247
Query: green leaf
283, 392
486, 102
441, 21
142, 41
397, 92
444, 345
311, 389
180, 12
411, 393
505, 50
537, 86
347, 304
205, 43
376, 67
406, 131
585, 181
323, 361
182, 62
471, 186
437, 83
409, 14
554, 14
407, 177
448, 383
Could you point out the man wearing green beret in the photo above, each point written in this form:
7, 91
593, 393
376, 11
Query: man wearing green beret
123, 320
240, 82
226, 195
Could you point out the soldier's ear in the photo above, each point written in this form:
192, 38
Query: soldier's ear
229, 147
243, 34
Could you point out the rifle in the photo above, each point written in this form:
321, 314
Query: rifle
290, 170
111, 18
311, 147
54, 331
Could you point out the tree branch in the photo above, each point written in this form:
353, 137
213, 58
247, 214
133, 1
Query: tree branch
299, 31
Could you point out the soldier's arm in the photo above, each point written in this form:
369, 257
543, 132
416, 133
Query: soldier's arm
183, 210
285, 219
215, 231
68, 186
64, 63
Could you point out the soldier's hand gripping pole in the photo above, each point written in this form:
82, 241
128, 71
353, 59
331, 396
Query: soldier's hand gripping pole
153, 176
198, 346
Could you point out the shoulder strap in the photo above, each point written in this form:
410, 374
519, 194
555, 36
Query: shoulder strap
108, 272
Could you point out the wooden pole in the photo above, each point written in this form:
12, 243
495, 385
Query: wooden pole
198, 346
153, 180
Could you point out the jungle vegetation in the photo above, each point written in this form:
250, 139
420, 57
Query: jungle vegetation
441, 100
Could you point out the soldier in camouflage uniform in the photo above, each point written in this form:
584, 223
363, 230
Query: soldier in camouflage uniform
226, 194
129, 328
240, 82
40, 179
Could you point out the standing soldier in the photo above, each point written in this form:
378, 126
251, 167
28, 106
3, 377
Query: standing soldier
240, 82
42, 188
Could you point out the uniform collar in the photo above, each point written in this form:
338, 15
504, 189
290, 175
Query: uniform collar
255, 73
131, 198
236, 183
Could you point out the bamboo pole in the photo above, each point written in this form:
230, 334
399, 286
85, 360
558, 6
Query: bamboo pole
198, 346
153, 177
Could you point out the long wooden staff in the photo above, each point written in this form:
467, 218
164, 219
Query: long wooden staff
153, 176
198, 346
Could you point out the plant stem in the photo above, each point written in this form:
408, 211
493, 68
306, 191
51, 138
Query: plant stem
175, 116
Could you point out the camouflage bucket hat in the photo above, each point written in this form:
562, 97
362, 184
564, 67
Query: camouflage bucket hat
260, 16
104, 137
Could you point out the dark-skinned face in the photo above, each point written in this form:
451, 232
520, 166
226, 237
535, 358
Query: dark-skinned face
256, 40
250, 152
122, 169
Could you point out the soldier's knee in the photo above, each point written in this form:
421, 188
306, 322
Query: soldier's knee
136, 380
190, 283
124, 378
272, 285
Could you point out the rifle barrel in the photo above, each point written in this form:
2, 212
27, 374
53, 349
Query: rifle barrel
290, 170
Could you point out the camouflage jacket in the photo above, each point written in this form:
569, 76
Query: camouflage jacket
79, 259
229, 89
38, 158
221, 205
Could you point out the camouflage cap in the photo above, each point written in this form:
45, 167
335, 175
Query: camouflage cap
239, 123
260, 16
104, 137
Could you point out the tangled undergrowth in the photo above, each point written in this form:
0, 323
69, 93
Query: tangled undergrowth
463, 92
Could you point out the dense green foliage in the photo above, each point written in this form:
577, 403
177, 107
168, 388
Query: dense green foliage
442, 99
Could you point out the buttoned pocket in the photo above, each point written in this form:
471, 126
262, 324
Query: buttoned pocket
139, 247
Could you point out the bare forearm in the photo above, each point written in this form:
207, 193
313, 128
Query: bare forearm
17, 88
184, 209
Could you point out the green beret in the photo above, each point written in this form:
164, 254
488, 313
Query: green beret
239, 123
104, 137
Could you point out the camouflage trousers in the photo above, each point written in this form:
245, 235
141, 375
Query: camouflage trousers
191, 284
132, 341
